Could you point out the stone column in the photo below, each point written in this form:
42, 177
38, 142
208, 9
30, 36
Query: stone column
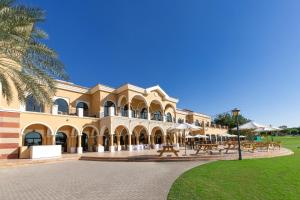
53, 140
149, 139
129, 143
118, 143
137, 140
79, 148
129, 110
148, 114
100, 147
177, 140
164, 139
111, 145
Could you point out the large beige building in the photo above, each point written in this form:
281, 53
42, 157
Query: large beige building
97, 119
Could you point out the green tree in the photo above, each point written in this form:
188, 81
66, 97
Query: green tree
26, 63
228, 120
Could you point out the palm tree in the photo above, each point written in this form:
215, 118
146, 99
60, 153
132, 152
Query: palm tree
26, 64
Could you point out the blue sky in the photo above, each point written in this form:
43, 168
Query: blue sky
212, 55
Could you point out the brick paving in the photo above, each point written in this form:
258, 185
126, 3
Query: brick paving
91, 180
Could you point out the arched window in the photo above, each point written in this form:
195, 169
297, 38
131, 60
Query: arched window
180, 121
32, 105
157, 116
169, 117
33, 138
63, 107
144, 113
197, 123
124, 111
85, 108
107, 105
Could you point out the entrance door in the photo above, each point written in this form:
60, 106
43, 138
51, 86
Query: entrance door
61, 139
84, 142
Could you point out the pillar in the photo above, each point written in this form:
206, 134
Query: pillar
129, 110
79, 148
118, 143
53, 140
164, 139
100, 147
137, 139
177, 140
149, 139
111, 145
129, 143
148, 114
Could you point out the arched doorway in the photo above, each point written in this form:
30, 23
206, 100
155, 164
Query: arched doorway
61, 139
84, 142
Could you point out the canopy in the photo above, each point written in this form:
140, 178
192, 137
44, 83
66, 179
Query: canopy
200, 136
250, 125
184, 126
266, 129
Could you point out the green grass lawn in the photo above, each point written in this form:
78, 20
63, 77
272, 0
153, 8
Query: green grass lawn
263, 179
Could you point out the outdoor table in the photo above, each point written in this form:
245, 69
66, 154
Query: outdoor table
206, 147
168, 149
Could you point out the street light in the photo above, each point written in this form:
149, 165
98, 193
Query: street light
235, 114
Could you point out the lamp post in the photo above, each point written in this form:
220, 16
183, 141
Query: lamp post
235, 114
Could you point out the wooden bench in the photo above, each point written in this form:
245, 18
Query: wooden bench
168, 149
208, 148
248, 147
231, 146
262, 145
276, 144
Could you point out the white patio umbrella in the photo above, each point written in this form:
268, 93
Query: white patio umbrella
250, 125
186, 127
200, 136
267, 129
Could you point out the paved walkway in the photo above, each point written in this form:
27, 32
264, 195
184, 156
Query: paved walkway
91, 180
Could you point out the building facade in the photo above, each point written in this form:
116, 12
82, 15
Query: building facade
96, 119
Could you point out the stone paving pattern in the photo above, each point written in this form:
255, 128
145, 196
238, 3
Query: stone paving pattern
91, 180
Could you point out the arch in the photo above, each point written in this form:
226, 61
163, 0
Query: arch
40, 123
63, 106
33, 138
32, 105
173, 112
77, 130
91, 126
120, 99
120, 129
156, 102
158, 135
139, 128
170, 105
140, 97
103, 129
157, 113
